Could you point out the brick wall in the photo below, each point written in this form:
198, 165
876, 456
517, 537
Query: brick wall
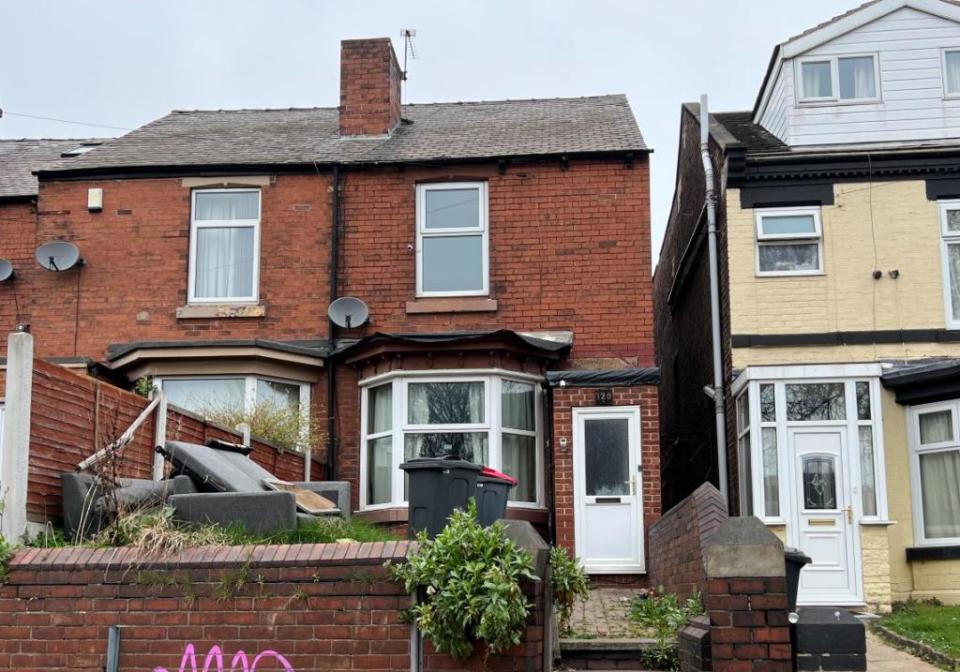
748, 624
72, 416
17, 245
564, 401
319, 607
677, 541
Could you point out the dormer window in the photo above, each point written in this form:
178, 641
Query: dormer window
951, 73
847, 79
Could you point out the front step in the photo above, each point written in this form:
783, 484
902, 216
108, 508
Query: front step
607, 654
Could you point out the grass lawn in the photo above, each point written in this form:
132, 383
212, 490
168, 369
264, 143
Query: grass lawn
934, 625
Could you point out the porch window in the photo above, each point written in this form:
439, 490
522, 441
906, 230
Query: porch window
950, 254
825, 79
768, 451
485, 419
935, 462
789, 241
744, 450
452, 247
224, 246
240, 397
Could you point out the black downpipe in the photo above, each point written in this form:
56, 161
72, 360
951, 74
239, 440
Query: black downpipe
332, 328
549, 464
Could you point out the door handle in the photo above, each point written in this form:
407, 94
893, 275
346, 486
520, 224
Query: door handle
849, 510
632, 483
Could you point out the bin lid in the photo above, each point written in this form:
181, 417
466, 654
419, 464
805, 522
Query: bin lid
490, 472
796, 555
438, 463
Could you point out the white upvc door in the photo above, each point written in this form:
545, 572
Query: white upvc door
822, 513
608, 491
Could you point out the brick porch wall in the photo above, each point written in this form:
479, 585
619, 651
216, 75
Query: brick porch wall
567, 399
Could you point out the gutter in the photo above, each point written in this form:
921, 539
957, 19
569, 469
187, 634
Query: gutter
716, 392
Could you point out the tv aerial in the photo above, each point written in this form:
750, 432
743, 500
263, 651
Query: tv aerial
348, 312
59, 256
6, 270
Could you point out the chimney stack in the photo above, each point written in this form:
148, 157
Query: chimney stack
369, 87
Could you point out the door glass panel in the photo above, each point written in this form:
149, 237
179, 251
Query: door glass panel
819, 483
771, 476
815, 401
606, 449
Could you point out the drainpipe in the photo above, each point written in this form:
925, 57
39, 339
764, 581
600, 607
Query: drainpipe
549, 490
716, 392
332, 328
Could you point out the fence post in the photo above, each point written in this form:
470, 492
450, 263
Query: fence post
15, 442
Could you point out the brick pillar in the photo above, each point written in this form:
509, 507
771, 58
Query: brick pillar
746, 599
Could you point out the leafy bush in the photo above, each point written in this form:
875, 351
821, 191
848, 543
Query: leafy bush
280, 425
6, 553
469, 581
569, 582
667, 616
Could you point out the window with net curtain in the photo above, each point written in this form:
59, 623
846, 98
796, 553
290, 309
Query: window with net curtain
451, 419
843, 78
788, 241
938, 461
951, 73
950, 230
224, 245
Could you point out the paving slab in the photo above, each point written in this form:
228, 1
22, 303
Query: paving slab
881, 657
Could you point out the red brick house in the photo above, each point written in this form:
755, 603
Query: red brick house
502, 248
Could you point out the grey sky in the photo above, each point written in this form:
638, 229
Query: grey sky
126, 62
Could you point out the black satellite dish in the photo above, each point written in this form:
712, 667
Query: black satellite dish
58, 256
6, 270
348, 312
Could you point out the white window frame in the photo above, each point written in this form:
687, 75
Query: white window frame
492, 379
916, 450
483, 230
948, 238
250, 391
223, 223
769, 239
947, 94
835, 98
781, 376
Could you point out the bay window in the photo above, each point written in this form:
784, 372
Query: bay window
224, 246
935, 472
485, 419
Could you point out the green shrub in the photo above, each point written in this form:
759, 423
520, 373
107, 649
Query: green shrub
282, 426
6, 553
469, 582
667, 616
569, 582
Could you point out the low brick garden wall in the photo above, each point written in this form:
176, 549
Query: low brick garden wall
297, 608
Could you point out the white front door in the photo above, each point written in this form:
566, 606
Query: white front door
608, 514
822, 514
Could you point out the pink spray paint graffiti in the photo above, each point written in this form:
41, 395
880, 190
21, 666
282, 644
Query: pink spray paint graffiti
189, 661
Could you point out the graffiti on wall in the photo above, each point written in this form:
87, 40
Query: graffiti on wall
215, 657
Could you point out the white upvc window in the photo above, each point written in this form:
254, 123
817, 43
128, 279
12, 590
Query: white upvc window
950, 256
773, 406
452, 239
935, 472
789, 241
241, 394
224, 246
950, 63
838, 79
483, 417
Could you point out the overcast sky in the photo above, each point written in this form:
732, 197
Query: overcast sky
125, 62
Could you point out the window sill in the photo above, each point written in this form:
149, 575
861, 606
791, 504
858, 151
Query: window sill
220, 310
455, 304
933, 553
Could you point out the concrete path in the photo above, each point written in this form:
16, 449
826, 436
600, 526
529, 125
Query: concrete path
881, 657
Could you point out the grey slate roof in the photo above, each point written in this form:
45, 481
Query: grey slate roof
430, 132
752, 136
19, 158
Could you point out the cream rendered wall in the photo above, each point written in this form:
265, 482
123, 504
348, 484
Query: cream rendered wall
889, 225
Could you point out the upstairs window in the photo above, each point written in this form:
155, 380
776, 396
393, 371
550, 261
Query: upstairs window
452, 249
789, 241
846, 78
951, 73
225, 246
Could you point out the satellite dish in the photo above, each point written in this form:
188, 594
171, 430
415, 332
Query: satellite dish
58, 255
6, 270
348, 312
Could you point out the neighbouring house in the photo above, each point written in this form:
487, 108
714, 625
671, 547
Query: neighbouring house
839, 277
502, 249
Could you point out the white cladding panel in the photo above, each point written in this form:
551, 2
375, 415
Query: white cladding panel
912, 108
